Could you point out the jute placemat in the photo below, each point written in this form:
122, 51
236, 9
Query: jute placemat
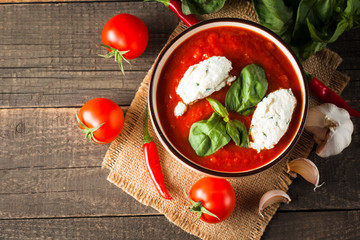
128, 171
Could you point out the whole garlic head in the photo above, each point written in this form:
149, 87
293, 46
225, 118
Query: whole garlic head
331, 127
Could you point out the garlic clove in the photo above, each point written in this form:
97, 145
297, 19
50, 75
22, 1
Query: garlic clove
321, 148
271, 197
332, 128
307, 169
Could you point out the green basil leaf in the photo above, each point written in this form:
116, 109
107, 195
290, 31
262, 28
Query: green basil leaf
276, 16
324, 10
247, 91
248, 111
238, 133
304, 51
317, 12
304, 11
200, 7
219, 108
208, 136
188, 8
352, 14
349, 18
233, 133
324, 37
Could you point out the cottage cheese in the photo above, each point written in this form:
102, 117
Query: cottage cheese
180, 109
271, 119
203, 79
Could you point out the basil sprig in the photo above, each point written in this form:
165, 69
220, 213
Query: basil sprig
208, 136
248, 90
238, 133
308, 25
219, 109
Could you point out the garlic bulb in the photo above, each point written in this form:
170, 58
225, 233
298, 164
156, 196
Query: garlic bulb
331, 127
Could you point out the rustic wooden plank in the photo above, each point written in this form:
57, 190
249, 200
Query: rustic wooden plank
45, 138
48, 169
71, 192
71, 89
346, 44
33, 31
50, 59
314, 225
155, 227
290, 225
71, 53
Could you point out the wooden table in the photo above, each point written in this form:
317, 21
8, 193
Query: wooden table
51, 181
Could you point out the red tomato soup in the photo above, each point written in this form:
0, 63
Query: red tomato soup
241, 47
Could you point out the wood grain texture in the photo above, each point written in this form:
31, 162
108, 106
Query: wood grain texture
154, 227
49, 52
314, 225
77, 192
45, 138
49, 169
299, 225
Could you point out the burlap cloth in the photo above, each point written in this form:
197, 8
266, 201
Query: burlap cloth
125, 158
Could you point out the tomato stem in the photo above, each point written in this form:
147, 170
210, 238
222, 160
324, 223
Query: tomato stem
199, 208
89, 132
118, 55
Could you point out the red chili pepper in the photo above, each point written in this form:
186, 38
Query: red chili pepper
152, 161
325, 94
175, 6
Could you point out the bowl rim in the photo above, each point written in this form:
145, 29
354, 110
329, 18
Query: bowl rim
163, 139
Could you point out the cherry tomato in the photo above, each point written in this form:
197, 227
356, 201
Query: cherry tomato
101, 119
126, 32
216, 195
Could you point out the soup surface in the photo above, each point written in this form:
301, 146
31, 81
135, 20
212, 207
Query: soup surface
241, 47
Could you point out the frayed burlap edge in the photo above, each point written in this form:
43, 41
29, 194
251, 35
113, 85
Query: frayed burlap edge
325, 59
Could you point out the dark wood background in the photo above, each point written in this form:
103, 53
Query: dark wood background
51, 181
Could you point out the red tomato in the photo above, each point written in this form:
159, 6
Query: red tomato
100, 111
126, 32
216, 195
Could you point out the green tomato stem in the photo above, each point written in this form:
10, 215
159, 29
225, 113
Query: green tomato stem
118, 55
89, 132
199, 208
